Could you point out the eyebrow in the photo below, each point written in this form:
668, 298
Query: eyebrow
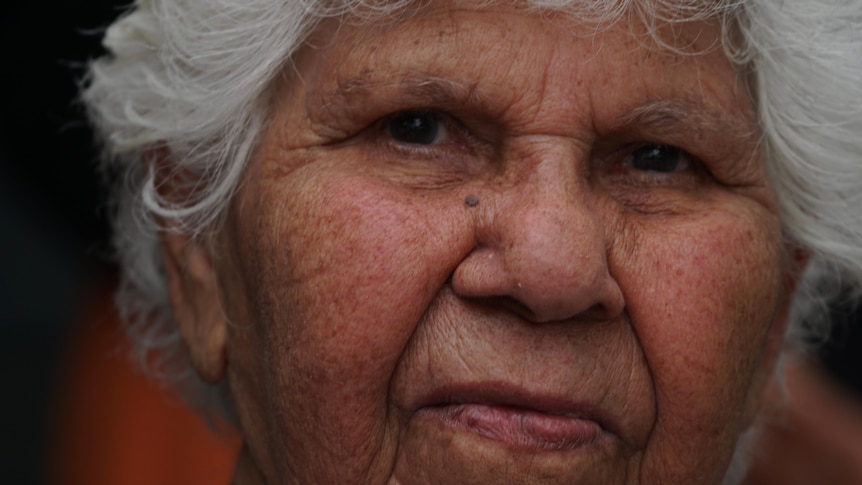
667, 114
656, 115
414, 83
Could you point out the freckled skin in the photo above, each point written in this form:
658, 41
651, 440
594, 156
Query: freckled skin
358, 276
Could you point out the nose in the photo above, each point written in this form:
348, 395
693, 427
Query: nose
541, 247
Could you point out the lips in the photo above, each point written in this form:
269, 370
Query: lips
517, 417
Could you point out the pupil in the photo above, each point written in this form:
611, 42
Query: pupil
414, 127
656, 158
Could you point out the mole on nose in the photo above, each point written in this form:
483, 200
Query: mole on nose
471, 200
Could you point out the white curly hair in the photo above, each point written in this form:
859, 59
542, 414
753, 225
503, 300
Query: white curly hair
193, 77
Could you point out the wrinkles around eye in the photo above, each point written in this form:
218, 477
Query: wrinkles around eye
426, 133
649, 164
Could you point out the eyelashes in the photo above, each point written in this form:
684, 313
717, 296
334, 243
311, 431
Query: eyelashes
419, 127
659, 159
433, 134
416, 135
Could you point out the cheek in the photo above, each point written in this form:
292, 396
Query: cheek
350, 269
359, 264
702, 296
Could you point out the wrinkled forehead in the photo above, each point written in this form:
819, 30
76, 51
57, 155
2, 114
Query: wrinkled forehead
667, 27
377, 50
662, 20
592, 11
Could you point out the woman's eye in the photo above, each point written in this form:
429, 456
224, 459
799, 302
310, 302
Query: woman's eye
415, 127
659, 158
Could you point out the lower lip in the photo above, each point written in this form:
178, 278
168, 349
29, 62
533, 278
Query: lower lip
521, 428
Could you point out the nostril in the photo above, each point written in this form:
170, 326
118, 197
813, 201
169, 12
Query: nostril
538, 289
599, 312
596, 313
508, 304
577, 301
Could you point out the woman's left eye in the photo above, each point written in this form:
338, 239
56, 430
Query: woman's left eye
659, 158
415, 127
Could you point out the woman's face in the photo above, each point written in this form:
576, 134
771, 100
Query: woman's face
486, 246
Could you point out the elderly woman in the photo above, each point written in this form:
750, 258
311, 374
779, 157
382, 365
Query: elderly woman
482, 242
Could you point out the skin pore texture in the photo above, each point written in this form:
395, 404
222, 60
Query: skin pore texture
591, 318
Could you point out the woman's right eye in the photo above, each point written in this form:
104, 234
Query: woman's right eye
659, 159
420, 127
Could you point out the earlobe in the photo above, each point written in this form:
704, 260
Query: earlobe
789, 283
775, 343
192, 283
194, 296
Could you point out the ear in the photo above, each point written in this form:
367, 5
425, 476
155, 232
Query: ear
798, 261
194, 296
775, 340
192, 283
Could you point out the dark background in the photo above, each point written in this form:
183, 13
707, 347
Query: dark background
53, 229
